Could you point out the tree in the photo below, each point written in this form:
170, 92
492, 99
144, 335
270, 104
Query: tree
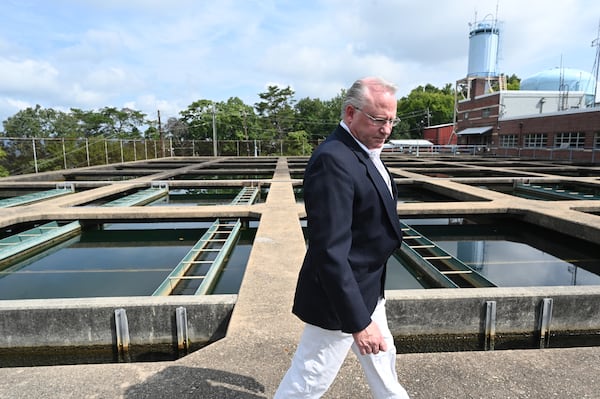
122, 123
176, 128
90, 122
42, 126
111, 122
4, 161
513, 82
315, 117
297, 143
236, 120
3, 171
233, 120
198, 116
39, 122
276, 111
424, 106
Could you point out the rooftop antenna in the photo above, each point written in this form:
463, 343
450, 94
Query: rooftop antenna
563, 89
595, 68
497, 6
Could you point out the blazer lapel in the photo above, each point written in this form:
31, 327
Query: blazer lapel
388, 200
390, 206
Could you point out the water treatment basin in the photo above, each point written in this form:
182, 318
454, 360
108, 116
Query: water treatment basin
116, 260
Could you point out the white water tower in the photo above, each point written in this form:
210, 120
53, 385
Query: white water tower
484, 45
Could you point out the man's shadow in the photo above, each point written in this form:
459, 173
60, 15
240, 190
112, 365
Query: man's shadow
190, 382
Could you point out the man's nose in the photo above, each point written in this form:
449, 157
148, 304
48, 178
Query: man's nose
387, 127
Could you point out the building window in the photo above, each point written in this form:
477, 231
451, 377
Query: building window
535, 140
569, 140
508, 140
486, 113
597, 140
466, 115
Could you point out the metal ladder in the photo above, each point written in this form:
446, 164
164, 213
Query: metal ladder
246, 196
35, 239
60, 190
142, 197
203, 263
436, 264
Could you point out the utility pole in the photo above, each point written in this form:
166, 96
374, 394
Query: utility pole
160, 135
428, 117
245, 133
214, 125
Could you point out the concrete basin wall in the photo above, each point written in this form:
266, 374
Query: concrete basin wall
421, 320
84, 322
453, 315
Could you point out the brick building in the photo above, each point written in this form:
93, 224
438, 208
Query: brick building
440, 134
527, 123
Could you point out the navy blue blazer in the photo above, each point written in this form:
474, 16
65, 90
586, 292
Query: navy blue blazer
353, 228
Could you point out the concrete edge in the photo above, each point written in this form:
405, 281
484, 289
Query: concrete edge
93, 321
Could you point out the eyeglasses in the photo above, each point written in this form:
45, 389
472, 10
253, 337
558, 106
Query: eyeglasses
379, 121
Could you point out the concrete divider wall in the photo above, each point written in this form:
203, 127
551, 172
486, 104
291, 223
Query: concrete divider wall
414, 315
85, 322
457, 313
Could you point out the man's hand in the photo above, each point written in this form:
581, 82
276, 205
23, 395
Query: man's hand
370, 340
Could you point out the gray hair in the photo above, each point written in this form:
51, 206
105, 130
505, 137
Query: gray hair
356, 95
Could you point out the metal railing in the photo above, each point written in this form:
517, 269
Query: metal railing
35, 155
589, 155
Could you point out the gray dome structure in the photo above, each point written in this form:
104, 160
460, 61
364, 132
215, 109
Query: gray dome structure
562, 79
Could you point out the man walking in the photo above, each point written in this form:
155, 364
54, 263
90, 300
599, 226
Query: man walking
353, 228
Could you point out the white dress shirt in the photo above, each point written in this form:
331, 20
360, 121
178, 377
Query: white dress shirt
374, 155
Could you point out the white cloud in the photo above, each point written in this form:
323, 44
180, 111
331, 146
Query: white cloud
27, 75
151, 105
165, 55
10, 106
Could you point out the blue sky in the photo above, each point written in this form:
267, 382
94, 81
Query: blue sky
154, 55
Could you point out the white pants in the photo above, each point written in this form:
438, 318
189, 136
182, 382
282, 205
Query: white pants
320, 355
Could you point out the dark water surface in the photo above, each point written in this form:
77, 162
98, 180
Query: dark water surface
117, 260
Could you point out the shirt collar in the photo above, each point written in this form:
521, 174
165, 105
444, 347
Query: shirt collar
374, 153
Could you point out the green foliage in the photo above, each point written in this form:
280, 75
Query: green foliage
152, 132
297, 143
276, 117
237, 120
424, 106
233, 120
65, 132
39, 122
272, 118
198, 116
122, 123
316, 117
47, 122
513, 82
3, 171
276, 111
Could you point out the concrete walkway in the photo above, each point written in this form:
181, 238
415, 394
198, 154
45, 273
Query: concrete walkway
262, 335
235, 370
